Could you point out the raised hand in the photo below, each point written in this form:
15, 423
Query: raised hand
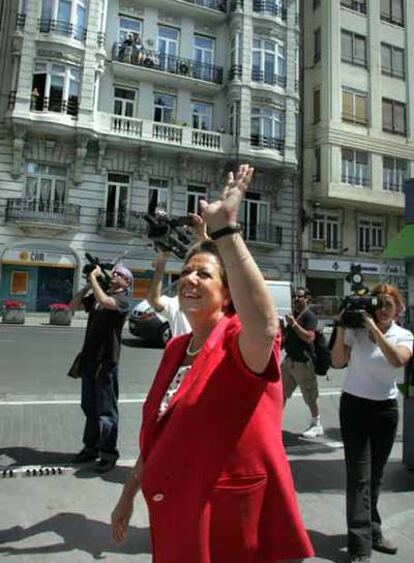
223, 212
198, 227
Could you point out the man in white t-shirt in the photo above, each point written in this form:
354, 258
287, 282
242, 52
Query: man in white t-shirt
169, 306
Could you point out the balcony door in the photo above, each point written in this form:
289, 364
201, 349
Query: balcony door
168, 38
45, 188
117, 201
254, 214
203, 57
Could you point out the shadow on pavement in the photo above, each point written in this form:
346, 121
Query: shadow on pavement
139, 343
331, 548
94, 539
17, 456
118, 475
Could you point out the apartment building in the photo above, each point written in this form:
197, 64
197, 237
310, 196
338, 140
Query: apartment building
111, 108
358, 137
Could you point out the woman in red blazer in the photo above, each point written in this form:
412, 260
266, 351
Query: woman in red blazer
212, 467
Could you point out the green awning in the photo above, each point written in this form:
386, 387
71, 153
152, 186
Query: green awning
402, 245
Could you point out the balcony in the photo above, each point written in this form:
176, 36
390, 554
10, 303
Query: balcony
220, 5
269, 8
47, 25
263, 142
268, 78
122, 224
263, 234
42, 218
40, 103
359, 6
153, 61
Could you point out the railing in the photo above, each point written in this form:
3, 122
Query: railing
167, 63
206, 139
355, 5
11, 99
47, 25
267, 78
269, 7
351, 118
236, 71
130, 221
20, 21
220, 5
126, 125
167, 132
57, 105
354, 180
267, 142
100, 38
263, 233
42, 211
393, 187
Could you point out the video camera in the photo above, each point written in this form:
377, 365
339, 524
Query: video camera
169, 233
360, 300
105, 279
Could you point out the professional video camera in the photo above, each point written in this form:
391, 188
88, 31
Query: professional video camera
353, 306
105, 279
169, 233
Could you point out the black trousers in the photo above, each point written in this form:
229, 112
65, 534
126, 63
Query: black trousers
368, 432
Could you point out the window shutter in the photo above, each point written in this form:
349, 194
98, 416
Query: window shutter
360, 109
347, 106
399, 118
387, 115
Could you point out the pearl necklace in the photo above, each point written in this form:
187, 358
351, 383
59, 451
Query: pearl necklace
188, 351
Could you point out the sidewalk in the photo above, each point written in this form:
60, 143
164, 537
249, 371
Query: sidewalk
79, 320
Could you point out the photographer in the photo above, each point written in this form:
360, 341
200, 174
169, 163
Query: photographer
169, 306
369, 413
108, 310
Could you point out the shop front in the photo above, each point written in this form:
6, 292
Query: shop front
37, 277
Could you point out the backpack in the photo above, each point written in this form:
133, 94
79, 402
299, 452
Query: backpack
321, 354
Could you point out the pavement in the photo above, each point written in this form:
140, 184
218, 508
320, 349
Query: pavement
79, 319
52, 511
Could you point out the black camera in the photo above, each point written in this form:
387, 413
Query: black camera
353, 306
105, 279
169, 233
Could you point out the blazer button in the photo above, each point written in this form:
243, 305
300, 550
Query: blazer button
158, 497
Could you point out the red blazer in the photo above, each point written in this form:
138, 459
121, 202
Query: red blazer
216, 478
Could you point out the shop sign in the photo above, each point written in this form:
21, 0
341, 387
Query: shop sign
343, 266
39, 257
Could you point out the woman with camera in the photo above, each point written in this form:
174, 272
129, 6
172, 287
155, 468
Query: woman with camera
369, 414
212, 467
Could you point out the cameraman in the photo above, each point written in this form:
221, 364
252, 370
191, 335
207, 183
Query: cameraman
108, 311
168, 306
369, 413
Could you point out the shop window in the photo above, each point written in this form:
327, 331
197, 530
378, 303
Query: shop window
19, 282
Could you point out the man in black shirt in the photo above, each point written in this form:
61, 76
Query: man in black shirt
297, 367
108, 311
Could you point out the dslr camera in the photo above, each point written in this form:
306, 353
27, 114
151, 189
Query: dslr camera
93, 261
169, 233
353, 306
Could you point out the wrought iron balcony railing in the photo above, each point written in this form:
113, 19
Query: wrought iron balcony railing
48, 25
263, 233
270, 7
42, 211
355, 5
167, 63
268, 78
354, 180
267, 142
220, 5
20, 21
131, 222
38, 103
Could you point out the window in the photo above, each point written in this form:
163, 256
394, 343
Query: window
316, 176
393, 117
164, 108
317, 45
55, 87
202, 115
158, 195
267, 128
124, 101
354, 107
370, 235
325, 228
203, 58
392, 61
353, 48
126, 26
392, 11
254, 215
355, 167
168, 38
194, 195
355, 5
64, 17
316, 106
117, 201
394, 174
273, 7
234, 120
45, 187
316, 4
269, 62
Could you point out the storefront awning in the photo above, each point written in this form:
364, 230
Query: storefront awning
402, 245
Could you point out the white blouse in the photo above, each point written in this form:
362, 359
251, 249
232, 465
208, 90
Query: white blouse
172, 389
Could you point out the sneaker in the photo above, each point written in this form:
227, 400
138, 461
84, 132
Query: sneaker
313, 431
85, 455
384, 545
105, 465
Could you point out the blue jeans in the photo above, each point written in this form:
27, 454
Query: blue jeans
368, 432
100, 406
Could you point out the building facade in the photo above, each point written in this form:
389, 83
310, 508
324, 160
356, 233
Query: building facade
358, 138
111, 108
